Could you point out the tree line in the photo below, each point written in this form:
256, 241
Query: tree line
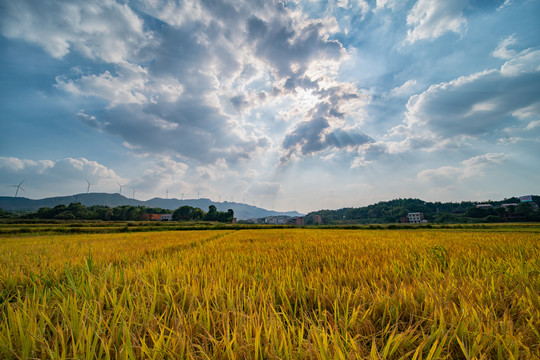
77, 211
386, 212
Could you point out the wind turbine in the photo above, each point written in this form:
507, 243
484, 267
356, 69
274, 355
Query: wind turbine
133, 193
89, 184
19, 187
121, 186
182, 196
167, 196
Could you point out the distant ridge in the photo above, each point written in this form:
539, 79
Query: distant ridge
241, 211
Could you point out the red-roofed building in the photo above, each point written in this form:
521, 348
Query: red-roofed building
152, 217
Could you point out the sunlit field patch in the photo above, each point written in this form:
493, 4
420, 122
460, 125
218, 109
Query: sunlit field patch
271, 294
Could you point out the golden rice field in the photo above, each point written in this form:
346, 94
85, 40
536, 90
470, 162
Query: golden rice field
271, 294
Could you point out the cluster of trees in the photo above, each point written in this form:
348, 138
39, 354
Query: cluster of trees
77, 211
462, 212
186, 213
521, 212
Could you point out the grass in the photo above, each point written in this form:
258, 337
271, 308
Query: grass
271, 294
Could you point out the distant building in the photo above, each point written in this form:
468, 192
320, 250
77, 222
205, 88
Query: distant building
276, 220
297, 220
165, 217
317, 219
484, 206
509, 205
416, 217
528, 199
152, 217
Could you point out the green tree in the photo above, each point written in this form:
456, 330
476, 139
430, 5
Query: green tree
212, 214
183, 213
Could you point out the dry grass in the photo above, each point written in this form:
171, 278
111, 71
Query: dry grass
271, 294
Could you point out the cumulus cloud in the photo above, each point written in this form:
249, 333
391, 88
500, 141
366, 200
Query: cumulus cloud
103, 30
498, 106
288, 50
479, 104
429, 19
13, 164
469, 168
406, 89
163, 174
323, 129
58, 176
169, 93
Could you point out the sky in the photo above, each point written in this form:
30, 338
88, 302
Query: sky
286, 105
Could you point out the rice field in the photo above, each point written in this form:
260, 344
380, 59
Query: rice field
271, 294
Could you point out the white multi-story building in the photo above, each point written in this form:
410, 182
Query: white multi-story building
165, 217
415, 217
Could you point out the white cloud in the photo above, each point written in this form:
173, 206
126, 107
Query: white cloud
131, 85
182, 90
388, 4
165, 173
442, 174
469, 168
59, 177
477, 105
15, 164
502, 51
430, 19
406, 89
118, 89
525, 62
533, 125
174, 13
103, 29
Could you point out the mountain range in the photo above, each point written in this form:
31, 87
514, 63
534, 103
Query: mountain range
241, 211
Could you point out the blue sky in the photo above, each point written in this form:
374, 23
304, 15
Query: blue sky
283, 104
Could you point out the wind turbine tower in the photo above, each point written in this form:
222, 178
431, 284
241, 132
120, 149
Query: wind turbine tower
121, 186
133, 193
89, 184
19, 187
